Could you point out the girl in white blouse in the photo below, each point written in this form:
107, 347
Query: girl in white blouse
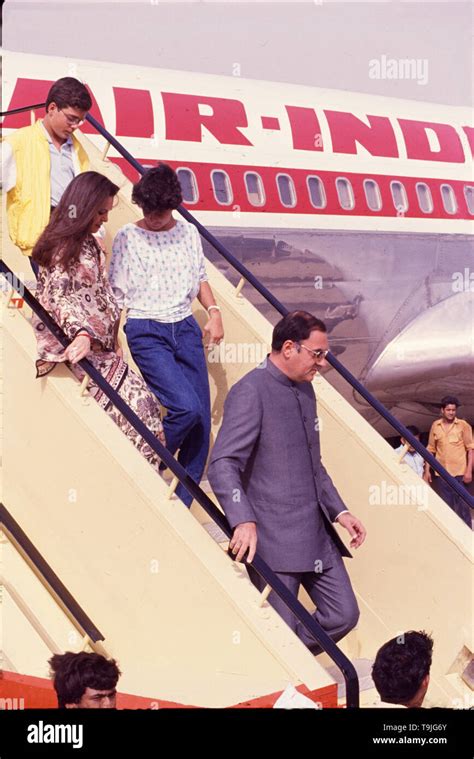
156, 272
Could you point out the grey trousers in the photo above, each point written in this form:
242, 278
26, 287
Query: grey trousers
331, 591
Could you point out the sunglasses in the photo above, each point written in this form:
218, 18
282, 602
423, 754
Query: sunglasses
318, 354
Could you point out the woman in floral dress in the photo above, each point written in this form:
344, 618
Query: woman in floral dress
74, 289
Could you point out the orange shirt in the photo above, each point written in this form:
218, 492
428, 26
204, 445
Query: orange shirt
450, 444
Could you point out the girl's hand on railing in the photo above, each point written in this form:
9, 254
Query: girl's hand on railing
78, 349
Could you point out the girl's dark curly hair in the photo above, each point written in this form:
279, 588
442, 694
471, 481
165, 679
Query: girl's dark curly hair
158, 190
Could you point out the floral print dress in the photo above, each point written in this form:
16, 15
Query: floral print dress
81, 299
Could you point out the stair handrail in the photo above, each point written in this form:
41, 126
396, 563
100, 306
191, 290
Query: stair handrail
255, 282
314, 628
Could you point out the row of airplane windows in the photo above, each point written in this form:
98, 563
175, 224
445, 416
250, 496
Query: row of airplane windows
223, 193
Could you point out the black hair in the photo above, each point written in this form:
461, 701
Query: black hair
69, 92
73, 673
449, 400
401, 665
295, 326
413, 429
158, 190
70, 223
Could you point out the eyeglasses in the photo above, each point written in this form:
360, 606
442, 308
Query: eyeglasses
318, 354
72, 120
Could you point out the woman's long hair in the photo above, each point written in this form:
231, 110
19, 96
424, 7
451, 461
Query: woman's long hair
72, 219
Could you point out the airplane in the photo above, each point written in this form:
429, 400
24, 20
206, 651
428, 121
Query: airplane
358, 208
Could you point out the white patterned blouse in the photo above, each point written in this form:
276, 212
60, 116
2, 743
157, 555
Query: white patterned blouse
157, 275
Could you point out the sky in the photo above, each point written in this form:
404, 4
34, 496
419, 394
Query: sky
347, 46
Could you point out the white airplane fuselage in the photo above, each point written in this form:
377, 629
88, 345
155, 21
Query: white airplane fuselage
358, 208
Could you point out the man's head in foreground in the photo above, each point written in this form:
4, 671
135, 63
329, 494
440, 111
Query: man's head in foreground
401, 670
84, 681
300, 345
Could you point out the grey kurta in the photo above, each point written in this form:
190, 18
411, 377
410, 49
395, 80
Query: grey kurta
266, 468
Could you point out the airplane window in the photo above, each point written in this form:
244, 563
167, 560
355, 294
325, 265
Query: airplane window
188, 184
254, 185
222, 189
448, 198
372, 194
469, 195
399, 197
425, 201
344, 193
286, 190
317, 195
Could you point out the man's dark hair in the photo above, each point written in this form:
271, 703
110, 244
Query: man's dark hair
295, 326
401, 665
69, 92
449, 400
73, 673
158, 190
413, 429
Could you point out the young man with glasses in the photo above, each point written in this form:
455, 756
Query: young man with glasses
267, 473
39, 161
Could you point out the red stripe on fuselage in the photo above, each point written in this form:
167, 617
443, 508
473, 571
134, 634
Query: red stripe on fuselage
236, 173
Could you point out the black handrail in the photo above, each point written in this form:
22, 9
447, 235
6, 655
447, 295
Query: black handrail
22, 109
352, 686
335, 363
401, 429
12, 527
313, 627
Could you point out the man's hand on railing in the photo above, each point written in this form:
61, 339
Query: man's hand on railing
427, 475
244, 537
354, 527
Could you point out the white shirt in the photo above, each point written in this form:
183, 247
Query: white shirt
157, 275
415, 460
64, 166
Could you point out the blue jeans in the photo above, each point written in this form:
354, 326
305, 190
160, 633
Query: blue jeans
173, 364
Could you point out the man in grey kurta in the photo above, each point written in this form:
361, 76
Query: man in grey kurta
267, 473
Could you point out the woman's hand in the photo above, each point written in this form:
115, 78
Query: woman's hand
78, 349
214, 328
